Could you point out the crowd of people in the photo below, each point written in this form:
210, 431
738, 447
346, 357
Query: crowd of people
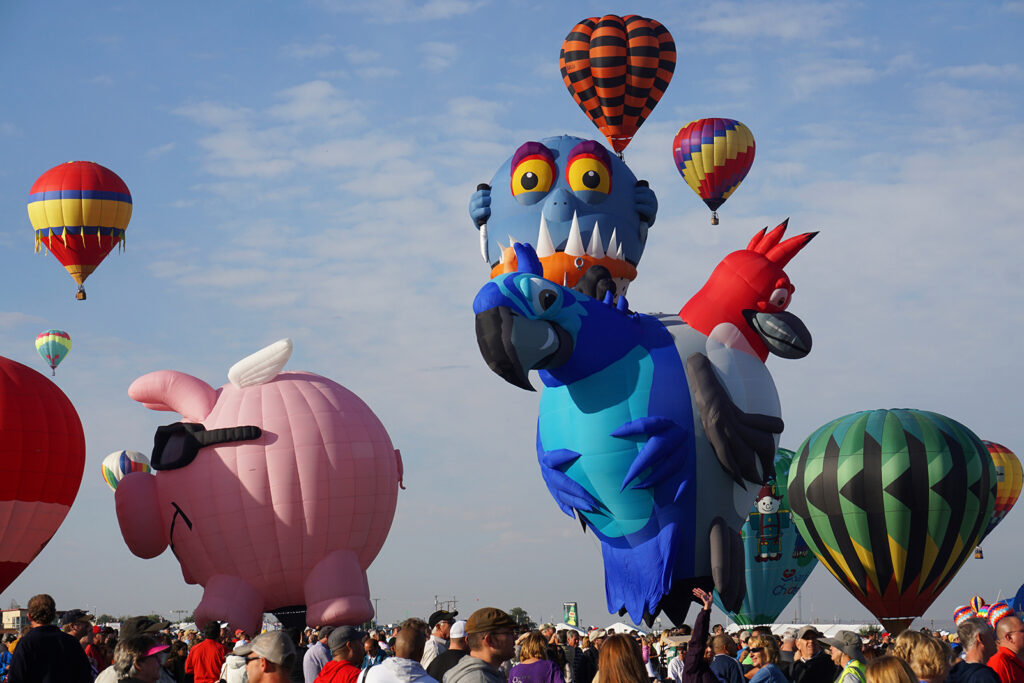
491, 647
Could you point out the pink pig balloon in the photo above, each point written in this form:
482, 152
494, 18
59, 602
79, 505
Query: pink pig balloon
293, 517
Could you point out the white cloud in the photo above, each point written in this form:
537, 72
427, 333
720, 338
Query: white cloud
822, 74
316, 102
398, 11
798, 21
980, 71
323, 46
438, 56
160, 150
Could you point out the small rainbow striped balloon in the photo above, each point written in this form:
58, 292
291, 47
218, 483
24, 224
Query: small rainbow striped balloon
977, 604
121, 463
997, 611
962, 612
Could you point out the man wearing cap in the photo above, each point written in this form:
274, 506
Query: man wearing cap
268, 657
490, 633
846, 653
404, 666
46, 653
317, 655
440, 623
978, 642
346, 645
811, 664
1006, 662
76, 623
586, 663
206, 659
136, 626
457, 649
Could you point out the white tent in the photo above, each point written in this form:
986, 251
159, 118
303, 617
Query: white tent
620, 627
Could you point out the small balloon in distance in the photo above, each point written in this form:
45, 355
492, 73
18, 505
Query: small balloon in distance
119, 464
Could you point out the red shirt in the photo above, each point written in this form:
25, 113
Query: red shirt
336, 672
1007, 665
205, 661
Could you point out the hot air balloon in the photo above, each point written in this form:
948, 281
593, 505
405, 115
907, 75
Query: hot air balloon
713, 156
892, 502
778, 561
52, 346
1008, 484
617, 68
120, 463
42, 456
79, 211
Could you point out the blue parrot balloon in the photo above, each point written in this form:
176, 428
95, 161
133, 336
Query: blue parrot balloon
655, 431
576, 203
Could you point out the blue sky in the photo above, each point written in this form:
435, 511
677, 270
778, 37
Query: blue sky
302, 169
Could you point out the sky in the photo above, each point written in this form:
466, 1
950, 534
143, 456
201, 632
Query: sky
302, 169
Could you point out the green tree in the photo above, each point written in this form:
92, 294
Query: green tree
520, 616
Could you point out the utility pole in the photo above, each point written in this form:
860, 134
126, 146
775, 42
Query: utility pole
376, 614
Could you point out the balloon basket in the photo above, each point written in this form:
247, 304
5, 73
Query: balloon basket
979, 554
80, 294
714, 218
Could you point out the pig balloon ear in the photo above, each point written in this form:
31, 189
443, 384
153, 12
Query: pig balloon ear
262, 366
186, 395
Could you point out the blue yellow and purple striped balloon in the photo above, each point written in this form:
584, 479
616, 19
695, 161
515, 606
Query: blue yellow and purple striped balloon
53, 346
713, 156
121, 463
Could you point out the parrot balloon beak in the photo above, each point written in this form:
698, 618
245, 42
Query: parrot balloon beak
783, 333
513, 345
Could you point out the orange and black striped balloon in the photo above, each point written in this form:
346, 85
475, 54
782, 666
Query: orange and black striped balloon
617, 68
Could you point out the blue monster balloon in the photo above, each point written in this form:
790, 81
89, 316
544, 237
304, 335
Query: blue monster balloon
656, 430
576, 203
778, 560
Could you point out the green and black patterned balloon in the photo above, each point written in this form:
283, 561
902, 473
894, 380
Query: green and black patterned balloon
893, 502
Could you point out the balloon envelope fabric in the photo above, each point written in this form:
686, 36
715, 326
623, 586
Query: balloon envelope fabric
778, 561
893, 502
53, 346
1008, 481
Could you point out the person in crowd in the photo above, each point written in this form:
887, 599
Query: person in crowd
678, 663
723, 660
317, 656
233, 669
534, 665
45, 653
206, 659
137, 626
440, 624
889, 669
787, 652
586, 665
490, 634
906, 642
570, 650
845, 649
978, 644
813, 665
269, 657
457, 649
619, 661
175, 662
372, 653
929, 660
1007, 661
137, 659
298, 638
404, 666
697, 667
764, 658
5, 655
346, 646
76, 623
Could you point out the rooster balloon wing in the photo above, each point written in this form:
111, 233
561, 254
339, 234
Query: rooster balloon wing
656, 430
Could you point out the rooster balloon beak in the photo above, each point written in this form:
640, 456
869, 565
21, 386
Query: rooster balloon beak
783, 333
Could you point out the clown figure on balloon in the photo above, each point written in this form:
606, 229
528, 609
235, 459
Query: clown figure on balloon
771, 519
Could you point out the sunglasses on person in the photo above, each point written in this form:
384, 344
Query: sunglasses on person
756, 650
176, 445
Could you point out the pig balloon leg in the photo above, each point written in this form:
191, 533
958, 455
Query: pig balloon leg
337, 592
231, 599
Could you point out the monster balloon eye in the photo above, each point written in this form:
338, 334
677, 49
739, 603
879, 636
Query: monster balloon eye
532, 177
587, 172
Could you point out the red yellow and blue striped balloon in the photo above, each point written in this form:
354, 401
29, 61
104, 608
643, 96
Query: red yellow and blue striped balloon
79, 211
713, 156
1009, 477
119, 464
53, 347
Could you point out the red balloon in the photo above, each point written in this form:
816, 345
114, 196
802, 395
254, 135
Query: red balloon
42, 457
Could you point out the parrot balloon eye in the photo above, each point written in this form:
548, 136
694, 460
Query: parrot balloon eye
547, 299
779, 298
